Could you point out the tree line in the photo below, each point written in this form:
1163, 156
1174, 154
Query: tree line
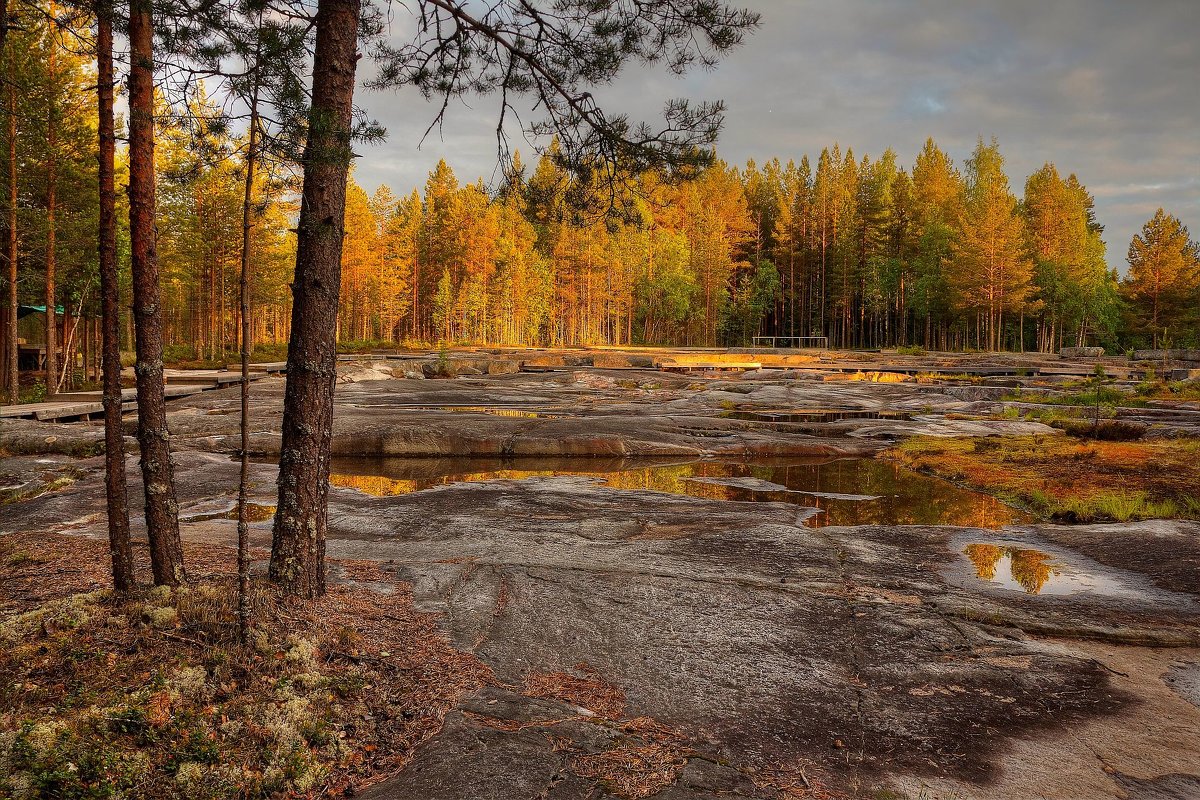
866, 252
863, 251
240, 223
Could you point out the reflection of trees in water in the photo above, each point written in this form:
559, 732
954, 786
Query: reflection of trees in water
1029, 568
985, 557
376, 485
905, 497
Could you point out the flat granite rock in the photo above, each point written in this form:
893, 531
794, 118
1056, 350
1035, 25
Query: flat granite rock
865, 658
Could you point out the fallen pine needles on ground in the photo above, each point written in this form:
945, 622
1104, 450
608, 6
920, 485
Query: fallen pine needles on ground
154, 696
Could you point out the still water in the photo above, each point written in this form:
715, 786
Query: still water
1024, 569
848, 491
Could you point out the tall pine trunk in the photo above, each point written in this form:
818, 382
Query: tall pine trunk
52, 339
298, 546
114, 438
243, 520
162, 510
10, 240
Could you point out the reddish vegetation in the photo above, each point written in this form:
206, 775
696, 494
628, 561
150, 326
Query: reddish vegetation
1061, 468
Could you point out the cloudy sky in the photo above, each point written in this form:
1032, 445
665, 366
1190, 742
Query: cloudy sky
1107, 90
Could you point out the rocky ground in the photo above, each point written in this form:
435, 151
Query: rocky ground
678, 644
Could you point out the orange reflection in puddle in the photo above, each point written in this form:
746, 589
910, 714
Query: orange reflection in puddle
849, 491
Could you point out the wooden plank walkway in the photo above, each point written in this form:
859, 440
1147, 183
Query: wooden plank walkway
703, 366
85, 405
270, 368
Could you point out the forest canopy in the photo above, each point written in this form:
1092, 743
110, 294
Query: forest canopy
869, 251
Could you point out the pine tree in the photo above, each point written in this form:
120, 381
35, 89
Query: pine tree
993, 274
1070, 272
938, 197
1163, 287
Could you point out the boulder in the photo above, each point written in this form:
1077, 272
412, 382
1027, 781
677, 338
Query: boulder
1081, 352
442, 368
353, 372
504, 367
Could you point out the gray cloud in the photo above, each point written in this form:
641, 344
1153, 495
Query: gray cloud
1107, 90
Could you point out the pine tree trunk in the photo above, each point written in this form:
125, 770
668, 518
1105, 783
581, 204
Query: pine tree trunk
10, 243
243, 521
51, 247
114, 437
162, 511
298, 546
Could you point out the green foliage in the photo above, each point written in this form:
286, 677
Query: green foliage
751, 301
1108, 507
1163, 286
35, 393
269, 351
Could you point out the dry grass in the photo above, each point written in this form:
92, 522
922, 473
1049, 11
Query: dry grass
633, 771
153, 696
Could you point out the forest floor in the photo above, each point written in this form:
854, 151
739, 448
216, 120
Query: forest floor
600, 582
155, 695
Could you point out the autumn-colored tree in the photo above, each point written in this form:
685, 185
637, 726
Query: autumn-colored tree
938, 197
993, 274
361, 259
1073, 283
1163, 286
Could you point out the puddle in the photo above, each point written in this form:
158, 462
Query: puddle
255, 512
813, 415
1022, 569
850, 491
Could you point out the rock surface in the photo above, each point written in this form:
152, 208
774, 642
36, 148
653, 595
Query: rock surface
750, 650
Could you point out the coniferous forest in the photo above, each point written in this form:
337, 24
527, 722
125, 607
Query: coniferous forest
868, 251
365, 541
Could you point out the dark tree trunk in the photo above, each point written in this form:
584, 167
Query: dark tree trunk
52, 338
243, 522
298, 546
10, 246
114, 439
162, 511
10, 239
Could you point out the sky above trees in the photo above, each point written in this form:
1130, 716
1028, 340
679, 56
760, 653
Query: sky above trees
1108, 90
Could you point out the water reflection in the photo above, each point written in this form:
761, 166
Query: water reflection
1028, 569
255, 512
849, 491
1035, 572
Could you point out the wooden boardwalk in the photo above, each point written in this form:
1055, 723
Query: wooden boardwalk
74, 406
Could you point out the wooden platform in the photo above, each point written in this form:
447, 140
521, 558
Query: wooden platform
86, 405
269, 368
713, 366
205, 377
